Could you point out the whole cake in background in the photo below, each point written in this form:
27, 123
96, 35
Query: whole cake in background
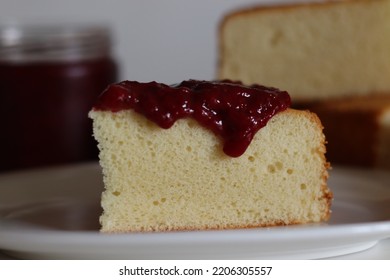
323, 54
207, 155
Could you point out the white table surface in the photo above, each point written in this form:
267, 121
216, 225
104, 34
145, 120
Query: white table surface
380, 251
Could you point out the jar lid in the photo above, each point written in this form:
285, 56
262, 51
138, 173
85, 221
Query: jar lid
37, 43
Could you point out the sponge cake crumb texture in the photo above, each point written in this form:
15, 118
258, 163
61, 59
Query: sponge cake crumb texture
179, 178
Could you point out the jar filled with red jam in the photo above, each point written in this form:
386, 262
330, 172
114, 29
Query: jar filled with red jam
50, 77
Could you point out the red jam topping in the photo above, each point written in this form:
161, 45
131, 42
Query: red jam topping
231, 110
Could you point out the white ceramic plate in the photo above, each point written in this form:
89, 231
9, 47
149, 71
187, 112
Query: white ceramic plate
53, 214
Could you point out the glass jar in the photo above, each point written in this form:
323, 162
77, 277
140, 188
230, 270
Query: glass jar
50, 77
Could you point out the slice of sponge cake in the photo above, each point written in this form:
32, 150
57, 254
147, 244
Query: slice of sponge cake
357, 129
180, 178
315, 51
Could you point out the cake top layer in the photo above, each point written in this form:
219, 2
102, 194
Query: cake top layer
230, 109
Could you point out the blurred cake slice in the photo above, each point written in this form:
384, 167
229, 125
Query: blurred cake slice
357, 129
315, 51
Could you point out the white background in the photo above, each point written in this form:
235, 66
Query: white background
163, 40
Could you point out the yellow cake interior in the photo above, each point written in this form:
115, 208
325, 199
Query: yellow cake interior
179, 178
